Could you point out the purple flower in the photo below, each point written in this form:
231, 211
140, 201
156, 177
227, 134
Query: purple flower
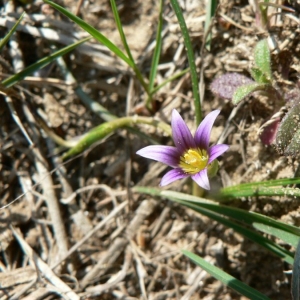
192, 155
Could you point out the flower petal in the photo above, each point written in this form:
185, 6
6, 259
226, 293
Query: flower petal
182, 136
173, 175
202, 134
201, 179
216, 151
165, 154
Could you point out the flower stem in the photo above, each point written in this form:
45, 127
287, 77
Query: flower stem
197, 190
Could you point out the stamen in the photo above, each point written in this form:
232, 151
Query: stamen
193, 161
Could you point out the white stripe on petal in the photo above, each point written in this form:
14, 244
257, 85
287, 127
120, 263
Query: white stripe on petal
173, 175
165, 154
182, 136
216, 151
201, 179
202, 134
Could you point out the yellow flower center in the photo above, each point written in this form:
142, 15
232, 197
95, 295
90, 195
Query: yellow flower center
193, 161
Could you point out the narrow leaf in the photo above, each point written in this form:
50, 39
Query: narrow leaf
125, 44
93, 32
224, 277
211, 7
191, 59
40, 64
269, 183
120, 29
157, 50
170, 79
243, 230
288, 233
11, 32
257, 191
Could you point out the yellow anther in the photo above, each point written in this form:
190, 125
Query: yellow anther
193, 161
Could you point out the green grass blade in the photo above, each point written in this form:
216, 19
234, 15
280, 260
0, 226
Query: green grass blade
217, 216
287, 233
157, 88
175, 76
269, 183
93, 32
247, 233
120, 29
211, 7
125, 44
191, 58
263, 188
11, 32
157, 50
40, 64
261, 191
224, 277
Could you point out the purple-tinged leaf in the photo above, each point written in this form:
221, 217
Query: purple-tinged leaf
269, 132
225, 85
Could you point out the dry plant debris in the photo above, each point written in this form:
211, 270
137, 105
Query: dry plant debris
76, 230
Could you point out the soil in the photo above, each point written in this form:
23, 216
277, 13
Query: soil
136, 252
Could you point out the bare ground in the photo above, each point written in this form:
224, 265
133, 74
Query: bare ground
112, 243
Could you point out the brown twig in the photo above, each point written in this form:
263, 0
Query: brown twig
45, 270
